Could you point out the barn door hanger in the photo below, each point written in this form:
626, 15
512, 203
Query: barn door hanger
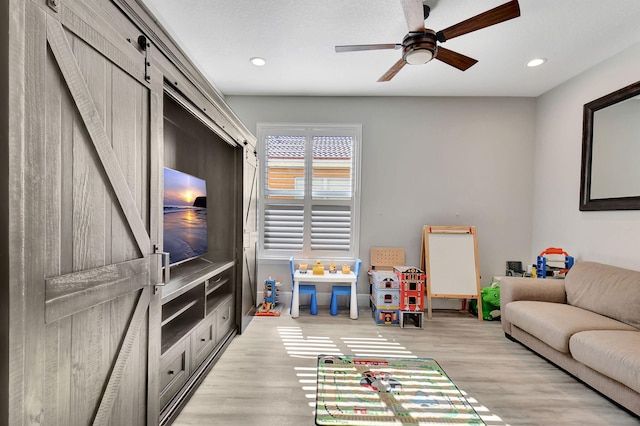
144, 44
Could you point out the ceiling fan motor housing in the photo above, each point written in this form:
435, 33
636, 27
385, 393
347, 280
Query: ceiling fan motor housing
419, 47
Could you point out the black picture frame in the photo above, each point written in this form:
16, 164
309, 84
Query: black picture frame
598, 204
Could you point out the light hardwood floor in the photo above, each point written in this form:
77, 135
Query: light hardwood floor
267, 376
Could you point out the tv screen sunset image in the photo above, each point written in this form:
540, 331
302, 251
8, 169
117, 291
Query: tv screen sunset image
185, 216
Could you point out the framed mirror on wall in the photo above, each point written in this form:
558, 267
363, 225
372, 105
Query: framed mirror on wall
610, 175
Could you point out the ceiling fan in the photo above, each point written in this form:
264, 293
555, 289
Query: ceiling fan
420, 45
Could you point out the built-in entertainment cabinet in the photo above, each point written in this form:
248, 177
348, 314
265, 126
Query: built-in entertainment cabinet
92, 332
199, 301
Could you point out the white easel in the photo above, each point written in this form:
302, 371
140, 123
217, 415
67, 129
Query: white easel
450, 260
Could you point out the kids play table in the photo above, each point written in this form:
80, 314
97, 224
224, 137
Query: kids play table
325, 278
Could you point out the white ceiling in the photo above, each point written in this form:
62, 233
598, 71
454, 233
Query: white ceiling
297, 39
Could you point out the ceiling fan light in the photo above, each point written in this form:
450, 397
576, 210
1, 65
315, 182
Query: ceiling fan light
419, 47
419, 56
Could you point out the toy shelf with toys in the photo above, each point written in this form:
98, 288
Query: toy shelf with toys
384, 284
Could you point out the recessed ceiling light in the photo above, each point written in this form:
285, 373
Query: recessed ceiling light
536, 62
257, 61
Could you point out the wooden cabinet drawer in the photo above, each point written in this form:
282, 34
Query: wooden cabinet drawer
203, 340
174, 370
224, 317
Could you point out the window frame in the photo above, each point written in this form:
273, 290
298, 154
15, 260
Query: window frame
309, 130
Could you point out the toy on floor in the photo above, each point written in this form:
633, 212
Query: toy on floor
490, 302
270, 299
553, 262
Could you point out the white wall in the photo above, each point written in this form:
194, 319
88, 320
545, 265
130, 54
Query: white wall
611, 237
427, 161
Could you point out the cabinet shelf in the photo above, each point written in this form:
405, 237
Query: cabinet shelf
218, 288
188, 275
215, 300
216, 285
179, 327
175, 311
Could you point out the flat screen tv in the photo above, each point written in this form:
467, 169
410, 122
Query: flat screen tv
185, 216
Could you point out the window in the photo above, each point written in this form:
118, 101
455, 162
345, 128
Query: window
309, 190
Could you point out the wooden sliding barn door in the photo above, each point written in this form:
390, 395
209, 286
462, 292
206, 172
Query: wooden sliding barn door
92, 194
250, 235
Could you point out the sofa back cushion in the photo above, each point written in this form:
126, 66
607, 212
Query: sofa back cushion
607, 290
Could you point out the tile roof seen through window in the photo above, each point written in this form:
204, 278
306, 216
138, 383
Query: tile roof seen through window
323, 146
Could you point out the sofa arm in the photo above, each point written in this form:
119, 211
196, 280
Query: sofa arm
520, 288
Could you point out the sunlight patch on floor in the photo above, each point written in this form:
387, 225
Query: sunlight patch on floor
297, 345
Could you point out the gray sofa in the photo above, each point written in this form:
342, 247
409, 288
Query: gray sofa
588, 324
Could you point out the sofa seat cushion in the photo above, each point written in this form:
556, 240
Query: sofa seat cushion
615, 354
555, 323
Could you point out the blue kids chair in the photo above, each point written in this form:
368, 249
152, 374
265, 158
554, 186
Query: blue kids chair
304, 289
342, 290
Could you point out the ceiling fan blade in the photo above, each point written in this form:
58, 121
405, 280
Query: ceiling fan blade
358, 47
455, 59
414, 14
486, 19
392, 71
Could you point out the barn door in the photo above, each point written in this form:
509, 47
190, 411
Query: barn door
250, 230
96, 324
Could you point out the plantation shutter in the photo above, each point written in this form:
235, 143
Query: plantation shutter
308, 192
284, 227
332, 179
330, 228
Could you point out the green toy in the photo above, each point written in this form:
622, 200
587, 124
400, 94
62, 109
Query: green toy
490, 302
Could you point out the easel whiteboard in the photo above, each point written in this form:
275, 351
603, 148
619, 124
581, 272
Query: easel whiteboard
450, 261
